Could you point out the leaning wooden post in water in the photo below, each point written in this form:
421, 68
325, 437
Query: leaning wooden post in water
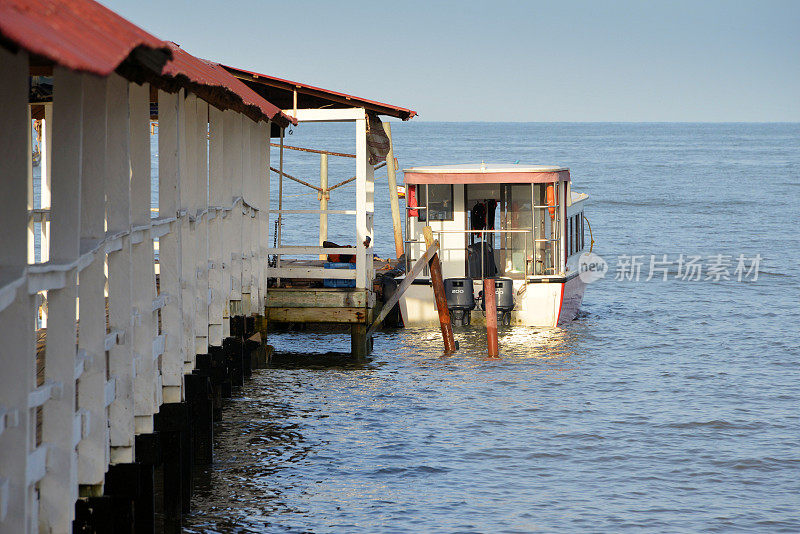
439, 295
391, 171
490, 307
324, 195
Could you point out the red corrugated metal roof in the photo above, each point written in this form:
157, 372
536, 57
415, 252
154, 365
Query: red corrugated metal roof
80, 35
83, 35
342, 98
201, 72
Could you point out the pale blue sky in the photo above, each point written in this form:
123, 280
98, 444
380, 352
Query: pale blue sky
511, 61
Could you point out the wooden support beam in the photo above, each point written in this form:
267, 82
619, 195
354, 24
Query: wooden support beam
318, 297
327, 115
439, 295
311, 272
415, 270
394, 200
317, 315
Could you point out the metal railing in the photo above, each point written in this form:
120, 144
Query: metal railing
530, 269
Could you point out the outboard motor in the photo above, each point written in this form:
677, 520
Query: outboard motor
504, 288
504, 293
460, 299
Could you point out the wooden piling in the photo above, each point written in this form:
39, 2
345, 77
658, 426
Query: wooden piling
490, 307
441, 298
391, 171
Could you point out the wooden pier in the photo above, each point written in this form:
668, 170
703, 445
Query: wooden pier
125, 330
353, 307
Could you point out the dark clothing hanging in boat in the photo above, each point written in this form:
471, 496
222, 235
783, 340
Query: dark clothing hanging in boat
482, 215
477, 217
491, 207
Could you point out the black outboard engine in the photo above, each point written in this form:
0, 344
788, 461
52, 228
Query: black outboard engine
504, 288
460, 299
504, 295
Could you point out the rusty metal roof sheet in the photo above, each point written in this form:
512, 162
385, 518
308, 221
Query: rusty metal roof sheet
80, 35
210, 81
280, 91
83, 35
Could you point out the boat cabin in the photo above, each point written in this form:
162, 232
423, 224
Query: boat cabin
520, 223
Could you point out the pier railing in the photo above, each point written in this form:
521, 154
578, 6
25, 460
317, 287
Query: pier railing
123, 328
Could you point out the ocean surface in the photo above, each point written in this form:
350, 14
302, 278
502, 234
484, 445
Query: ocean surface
667, 406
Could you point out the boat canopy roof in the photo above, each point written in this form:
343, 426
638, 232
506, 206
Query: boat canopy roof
486, 173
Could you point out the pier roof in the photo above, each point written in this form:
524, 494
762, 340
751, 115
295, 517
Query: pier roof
214, 84
281, 92
85, 36
80, 35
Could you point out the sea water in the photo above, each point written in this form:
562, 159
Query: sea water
668, 405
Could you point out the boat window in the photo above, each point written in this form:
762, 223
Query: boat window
574, 234
546, 215
517, 220
571, 234
439, 199
582, 236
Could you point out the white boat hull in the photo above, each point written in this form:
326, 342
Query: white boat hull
540, 304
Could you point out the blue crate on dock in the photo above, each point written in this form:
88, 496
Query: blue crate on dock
336, 282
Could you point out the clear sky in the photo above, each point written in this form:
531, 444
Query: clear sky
714, 60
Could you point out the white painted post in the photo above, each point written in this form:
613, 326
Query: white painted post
46, 158
324, 195
232, 224
169, 255
246, 227
59, 487
93, 450
201, 229
263, 214
362, 224
45, 177
118, 219
237, 183
256, 201
145, 324
30, 205
370, 217
187, 125
18, 349
217, 199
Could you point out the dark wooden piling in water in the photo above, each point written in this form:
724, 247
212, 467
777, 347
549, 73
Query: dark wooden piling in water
490, 307
437, 281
